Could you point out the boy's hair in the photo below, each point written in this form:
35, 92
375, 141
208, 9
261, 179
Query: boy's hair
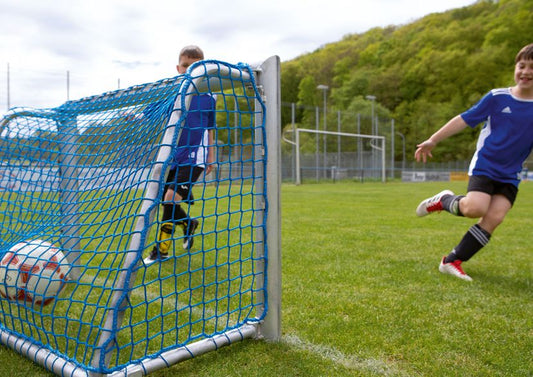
193, 52
526, 53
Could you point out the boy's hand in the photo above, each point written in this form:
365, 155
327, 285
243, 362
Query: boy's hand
423, 150
210, 165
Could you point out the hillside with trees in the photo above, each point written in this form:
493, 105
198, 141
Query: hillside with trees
421, 73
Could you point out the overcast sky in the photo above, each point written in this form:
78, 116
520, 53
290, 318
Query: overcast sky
106, 43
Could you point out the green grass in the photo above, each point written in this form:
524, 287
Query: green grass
362, 295
203, 290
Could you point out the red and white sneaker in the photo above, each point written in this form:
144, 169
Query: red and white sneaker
453, 268
432, 204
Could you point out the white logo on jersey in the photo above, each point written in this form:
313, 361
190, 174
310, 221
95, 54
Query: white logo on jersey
507, 110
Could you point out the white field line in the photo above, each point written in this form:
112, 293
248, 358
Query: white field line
353, 362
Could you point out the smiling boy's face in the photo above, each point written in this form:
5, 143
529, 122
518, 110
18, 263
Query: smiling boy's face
185, 62
523, 75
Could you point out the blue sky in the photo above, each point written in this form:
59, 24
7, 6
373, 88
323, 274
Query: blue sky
106, 43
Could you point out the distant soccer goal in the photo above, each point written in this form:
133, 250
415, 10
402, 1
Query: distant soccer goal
85, 181
363, 157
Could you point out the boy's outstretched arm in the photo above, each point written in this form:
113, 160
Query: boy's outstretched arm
454, 126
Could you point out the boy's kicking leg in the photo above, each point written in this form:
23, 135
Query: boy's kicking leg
445, 200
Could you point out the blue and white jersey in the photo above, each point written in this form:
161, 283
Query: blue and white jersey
506, 138
193, 143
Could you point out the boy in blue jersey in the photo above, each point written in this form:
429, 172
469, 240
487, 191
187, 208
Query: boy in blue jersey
504, 143
193, 155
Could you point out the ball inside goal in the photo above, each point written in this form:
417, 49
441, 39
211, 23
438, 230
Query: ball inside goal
33, 271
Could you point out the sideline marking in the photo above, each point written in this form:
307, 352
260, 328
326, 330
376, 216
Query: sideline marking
348, 361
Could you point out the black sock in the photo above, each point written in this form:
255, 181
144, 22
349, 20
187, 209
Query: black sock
174, 213
450, 203
472, 242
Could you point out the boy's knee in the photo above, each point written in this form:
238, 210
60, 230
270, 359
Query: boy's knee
473, 209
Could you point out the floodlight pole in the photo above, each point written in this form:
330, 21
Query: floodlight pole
324, 89
339, 139
8, 98
373, 122
317, 151
372, 99
68, 85
392, 149
403, 149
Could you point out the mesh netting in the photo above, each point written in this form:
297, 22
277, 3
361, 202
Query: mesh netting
88, 177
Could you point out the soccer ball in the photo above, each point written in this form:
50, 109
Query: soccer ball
33, 271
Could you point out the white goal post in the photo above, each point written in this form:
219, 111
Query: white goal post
380, 139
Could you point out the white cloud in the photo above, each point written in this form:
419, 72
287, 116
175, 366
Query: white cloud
137, 41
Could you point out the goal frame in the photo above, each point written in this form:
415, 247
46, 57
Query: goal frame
297, 132
267, 77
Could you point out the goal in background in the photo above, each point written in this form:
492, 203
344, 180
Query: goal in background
362, 156
87, 176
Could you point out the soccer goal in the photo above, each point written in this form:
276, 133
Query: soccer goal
363, 157
87, 178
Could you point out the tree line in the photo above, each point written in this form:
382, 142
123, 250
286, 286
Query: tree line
421, 74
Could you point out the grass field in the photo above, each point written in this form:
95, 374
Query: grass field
362, 295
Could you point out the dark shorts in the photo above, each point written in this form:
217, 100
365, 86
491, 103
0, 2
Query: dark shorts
181, 180
492, 187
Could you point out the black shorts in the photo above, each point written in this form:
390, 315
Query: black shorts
181, 180
490, 186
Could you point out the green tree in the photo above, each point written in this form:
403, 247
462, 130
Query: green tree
422, 73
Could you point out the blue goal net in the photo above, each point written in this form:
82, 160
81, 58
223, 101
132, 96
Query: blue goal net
88, 180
